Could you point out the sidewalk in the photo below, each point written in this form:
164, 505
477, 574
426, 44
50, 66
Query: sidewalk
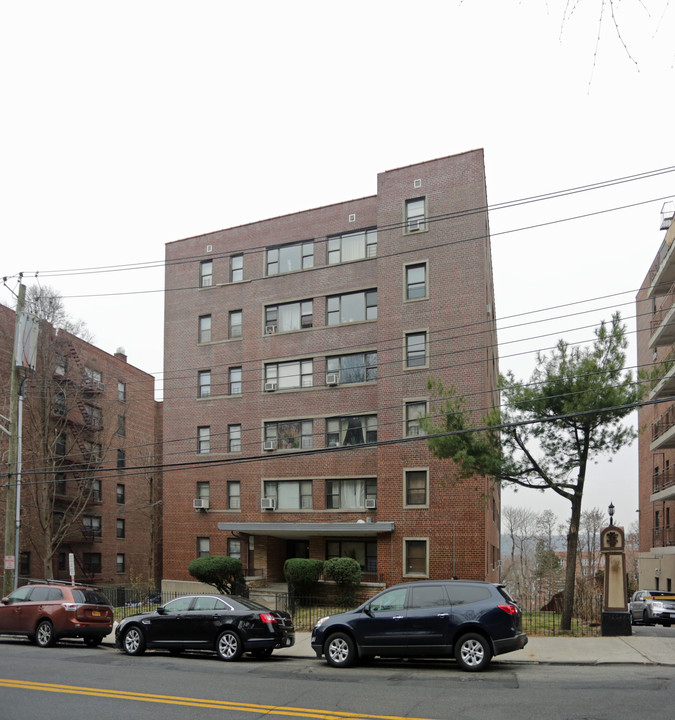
627, 650
560, 650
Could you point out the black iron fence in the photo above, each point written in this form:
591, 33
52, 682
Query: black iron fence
539, 618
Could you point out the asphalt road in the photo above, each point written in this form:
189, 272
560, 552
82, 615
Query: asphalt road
70, 681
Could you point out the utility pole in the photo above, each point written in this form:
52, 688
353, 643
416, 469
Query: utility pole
11, 560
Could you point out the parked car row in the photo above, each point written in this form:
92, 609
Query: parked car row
468, 620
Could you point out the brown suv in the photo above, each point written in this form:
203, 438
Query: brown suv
48, 611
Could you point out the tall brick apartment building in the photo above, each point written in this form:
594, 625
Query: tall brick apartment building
655, 311
297, 353
91, 481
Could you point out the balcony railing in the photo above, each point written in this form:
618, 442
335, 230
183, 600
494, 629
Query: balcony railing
663, 537
663, 480
660, 256
664, 423
666, 304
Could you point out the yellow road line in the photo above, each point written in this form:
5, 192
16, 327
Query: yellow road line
195, 702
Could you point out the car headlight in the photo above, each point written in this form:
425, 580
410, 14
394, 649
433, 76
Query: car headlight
320, 622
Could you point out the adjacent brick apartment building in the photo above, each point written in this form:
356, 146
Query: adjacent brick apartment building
655, 311
91, 480
297, 353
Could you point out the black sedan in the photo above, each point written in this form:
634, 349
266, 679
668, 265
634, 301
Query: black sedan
228, 625
469, 620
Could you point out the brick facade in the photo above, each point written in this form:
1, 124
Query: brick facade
105, 411
454, 528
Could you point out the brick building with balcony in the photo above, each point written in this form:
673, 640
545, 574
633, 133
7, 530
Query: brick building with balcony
297, 354
91, 475
655, 310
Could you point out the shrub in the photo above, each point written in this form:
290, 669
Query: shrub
223, 572
346, 573
303, 574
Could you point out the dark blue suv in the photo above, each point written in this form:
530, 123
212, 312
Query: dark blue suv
470, 620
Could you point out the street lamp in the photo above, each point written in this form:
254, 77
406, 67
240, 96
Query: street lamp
611, 513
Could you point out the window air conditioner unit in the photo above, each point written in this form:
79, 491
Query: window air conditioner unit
200, 504
270, 445
270, 386
332, 379
371, 503
267, 503
270, 329
415, 225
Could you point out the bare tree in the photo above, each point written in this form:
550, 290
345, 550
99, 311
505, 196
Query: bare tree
45, 303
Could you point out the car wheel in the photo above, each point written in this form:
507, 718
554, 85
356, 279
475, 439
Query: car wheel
472, 652
262, 654
229, 646
44, 634
93, 641
133, 642
645, 618
340, 650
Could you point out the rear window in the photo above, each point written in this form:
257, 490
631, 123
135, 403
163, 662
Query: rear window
250, 604
463, 594
90, 597
505, 594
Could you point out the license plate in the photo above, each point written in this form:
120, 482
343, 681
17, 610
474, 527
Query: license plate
95, 613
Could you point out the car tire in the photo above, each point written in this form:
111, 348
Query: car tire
340, 650
44, 634
645, 618
133, 642
93, 641
472, 652
262, 654
229, 646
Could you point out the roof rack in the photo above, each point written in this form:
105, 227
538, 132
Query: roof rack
47, 581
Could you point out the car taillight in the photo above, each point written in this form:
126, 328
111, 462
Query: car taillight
267, 618
71, 607
510, 609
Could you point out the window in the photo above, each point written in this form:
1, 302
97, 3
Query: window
24, 563
414, 215
354, 368
365, 551
95, 487
391, 601
287, 258
61, 364
121, 391
60, 447
416, 281
204, 383
290, 494
91, 526
204, 328
416, 487
121, 459
234, 548
204, 439
206, 273
235, 323
351, 307
415, 560
120, 562
93, 416
428, 596
236, 268
93, 378
234, 438
204, 490
120, 528
121, 425
416, 349
203, 547
234, 495
290, 375
350, 494
121, 494
354, 430
290, 435
92, 563
60, 487
352, 246
60, 404
289, 316
413, 412
235, 381
92, 452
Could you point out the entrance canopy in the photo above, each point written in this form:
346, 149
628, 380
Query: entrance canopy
308, 529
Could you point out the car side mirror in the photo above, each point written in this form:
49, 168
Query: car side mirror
5, 601
368, 611
161, 610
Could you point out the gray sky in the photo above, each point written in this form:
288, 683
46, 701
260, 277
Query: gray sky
127, 125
